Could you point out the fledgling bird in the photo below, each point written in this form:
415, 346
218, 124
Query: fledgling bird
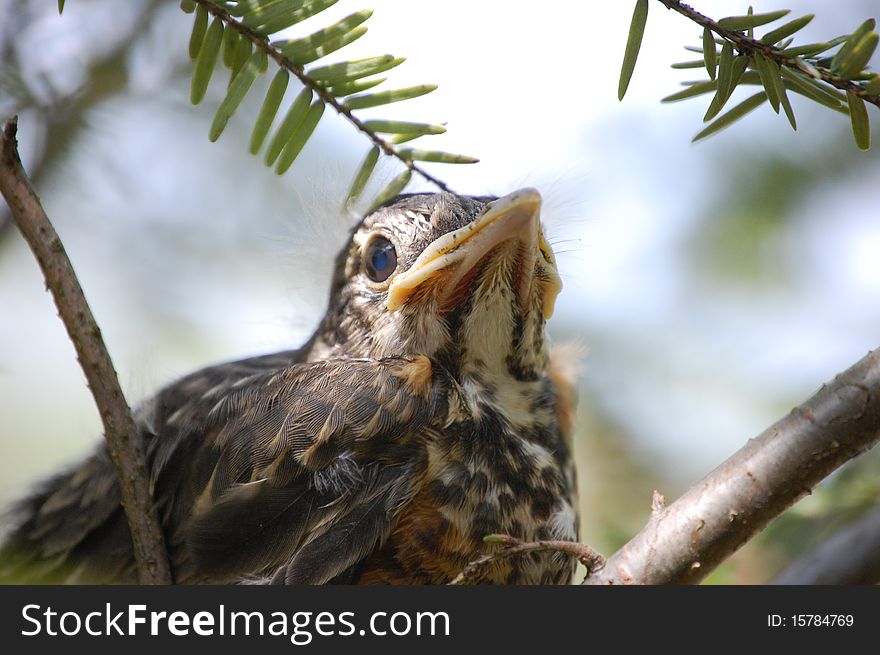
422, 415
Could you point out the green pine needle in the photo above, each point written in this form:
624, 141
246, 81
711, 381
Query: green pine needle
387, 97
414, 154
394, 189
363, 176
299, 138
732, 116
200, 26
206, 60
633, 45
861, 126
291, 122
740, 23
787, 30
241, 84
402, 127
709, 52
851, 42
271, 102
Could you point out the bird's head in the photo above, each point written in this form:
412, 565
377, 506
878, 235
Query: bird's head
467, 281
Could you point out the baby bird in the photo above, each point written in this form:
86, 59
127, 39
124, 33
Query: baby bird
422, 415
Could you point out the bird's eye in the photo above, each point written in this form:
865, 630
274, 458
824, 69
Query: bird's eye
380, 259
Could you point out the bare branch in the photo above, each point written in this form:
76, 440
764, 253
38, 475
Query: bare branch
122, 437
511, 547
685, 541
850, 556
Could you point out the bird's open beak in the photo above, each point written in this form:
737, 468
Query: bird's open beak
450, 260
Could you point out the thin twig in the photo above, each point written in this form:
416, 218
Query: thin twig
684, 542
511, 547
263, 44
748, 45
849, 556
122, 437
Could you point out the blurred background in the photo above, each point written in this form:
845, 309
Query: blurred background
713, 286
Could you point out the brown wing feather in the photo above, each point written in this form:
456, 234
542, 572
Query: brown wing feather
256, 466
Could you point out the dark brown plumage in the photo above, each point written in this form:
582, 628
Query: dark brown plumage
422, 415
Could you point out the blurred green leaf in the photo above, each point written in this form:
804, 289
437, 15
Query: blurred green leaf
786, 105
243, 51
682, 65
298, 48
200, 26
808, 68
241, 84
387, 97
347, 88
291, 122
394, 189
857, 58
767, 80
275, 16
787, 30
861, 126
809, 49
414, 154
633, 45
735, 71
299, 137
348, 71
206, 61
755, 20
732, 116
692, 91
725, 76
873, 86
188, 6
815, 90
709, 52
851, 42
363, 175
330, 46
269, 109
402, 127
396, 139
230, 45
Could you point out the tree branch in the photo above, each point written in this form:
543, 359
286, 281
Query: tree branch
122, 437
685, 541
850, 556
748, 45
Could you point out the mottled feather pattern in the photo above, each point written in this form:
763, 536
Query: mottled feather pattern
260, 480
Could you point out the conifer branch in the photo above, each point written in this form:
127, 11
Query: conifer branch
750, 46
263, 44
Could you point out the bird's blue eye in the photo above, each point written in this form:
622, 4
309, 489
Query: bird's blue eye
380, 259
